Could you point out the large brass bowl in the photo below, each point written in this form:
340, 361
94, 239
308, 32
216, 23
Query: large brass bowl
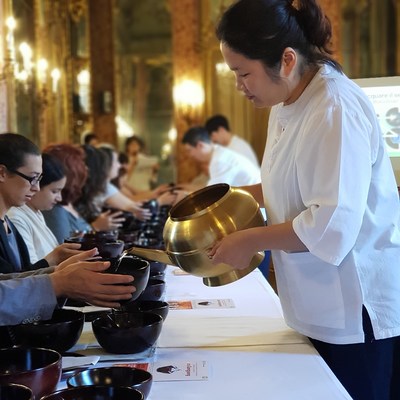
200, 220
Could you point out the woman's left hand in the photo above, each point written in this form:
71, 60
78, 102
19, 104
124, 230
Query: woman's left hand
235, 250
63, 252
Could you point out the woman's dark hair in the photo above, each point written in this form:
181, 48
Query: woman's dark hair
136, 139
262, 29
53, 170
14, 148
98, 165
72, 158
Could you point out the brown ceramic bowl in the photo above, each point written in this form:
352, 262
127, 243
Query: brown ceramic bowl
96, 393
59, 333
13, 391
131, 333
135, 378
39, 369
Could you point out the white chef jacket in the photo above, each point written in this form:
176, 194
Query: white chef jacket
325, 168
227, 166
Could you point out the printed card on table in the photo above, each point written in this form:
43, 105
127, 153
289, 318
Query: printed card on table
203, 303
174, 371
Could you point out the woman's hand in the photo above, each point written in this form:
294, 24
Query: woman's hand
142, 214
81, 256
235, 250
108, 221
86, 281
62, 252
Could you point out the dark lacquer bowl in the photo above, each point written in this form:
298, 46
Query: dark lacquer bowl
138, 268
59, 333
127, 334
154, 290
13, 391
155, 306
157, 267
107, 248
38, 369
136, 378
96, 393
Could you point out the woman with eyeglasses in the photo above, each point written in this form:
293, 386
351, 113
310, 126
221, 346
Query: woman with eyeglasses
29, 220
20, 176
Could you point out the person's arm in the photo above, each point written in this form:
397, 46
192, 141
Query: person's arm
26, 299
122, 202
238, 248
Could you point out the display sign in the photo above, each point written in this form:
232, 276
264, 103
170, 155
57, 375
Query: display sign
384, 94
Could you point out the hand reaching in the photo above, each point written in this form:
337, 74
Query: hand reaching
62, 252
85, 280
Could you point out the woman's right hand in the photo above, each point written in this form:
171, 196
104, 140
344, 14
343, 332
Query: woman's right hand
86, 281
108, 221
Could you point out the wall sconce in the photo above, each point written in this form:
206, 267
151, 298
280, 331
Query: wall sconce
83, 79
188, 98
55, 77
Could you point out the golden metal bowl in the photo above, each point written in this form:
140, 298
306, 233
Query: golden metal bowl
200, 220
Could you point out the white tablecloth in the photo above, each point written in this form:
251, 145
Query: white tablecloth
249, 350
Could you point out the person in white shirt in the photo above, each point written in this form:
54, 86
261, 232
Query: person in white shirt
329, 191
219, 131
28, 218
224, 165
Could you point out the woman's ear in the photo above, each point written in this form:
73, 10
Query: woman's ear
289, 61
3, 172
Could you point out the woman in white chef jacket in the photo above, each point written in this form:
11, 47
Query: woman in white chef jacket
328, 189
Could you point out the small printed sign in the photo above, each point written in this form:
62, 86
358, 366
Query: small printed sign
202, 303
174, 371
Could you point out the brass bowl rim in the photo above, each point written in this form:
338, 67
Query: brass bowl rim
208, 208
195, 194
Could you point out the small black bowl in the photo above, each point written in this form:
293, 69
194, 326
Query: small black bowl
135, 378
59, 333
138, 268
155, 306
128, 334
108, 248
157, 267
12, 391
154, 290
96, 393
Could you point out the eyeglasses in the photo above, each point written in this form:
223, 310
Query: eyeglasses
33, 180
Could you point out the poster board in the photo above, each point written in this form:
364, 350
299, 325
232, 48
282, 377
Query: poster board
384, 94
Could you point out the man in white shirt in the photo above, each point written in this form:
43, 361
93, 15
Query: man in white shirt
224, 165
219, 131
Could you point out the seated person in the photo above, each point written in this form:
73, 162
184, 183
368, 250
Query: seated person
33, 295
29, 220
64, 219
220, 133
224, 165
20, 174
114, 198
